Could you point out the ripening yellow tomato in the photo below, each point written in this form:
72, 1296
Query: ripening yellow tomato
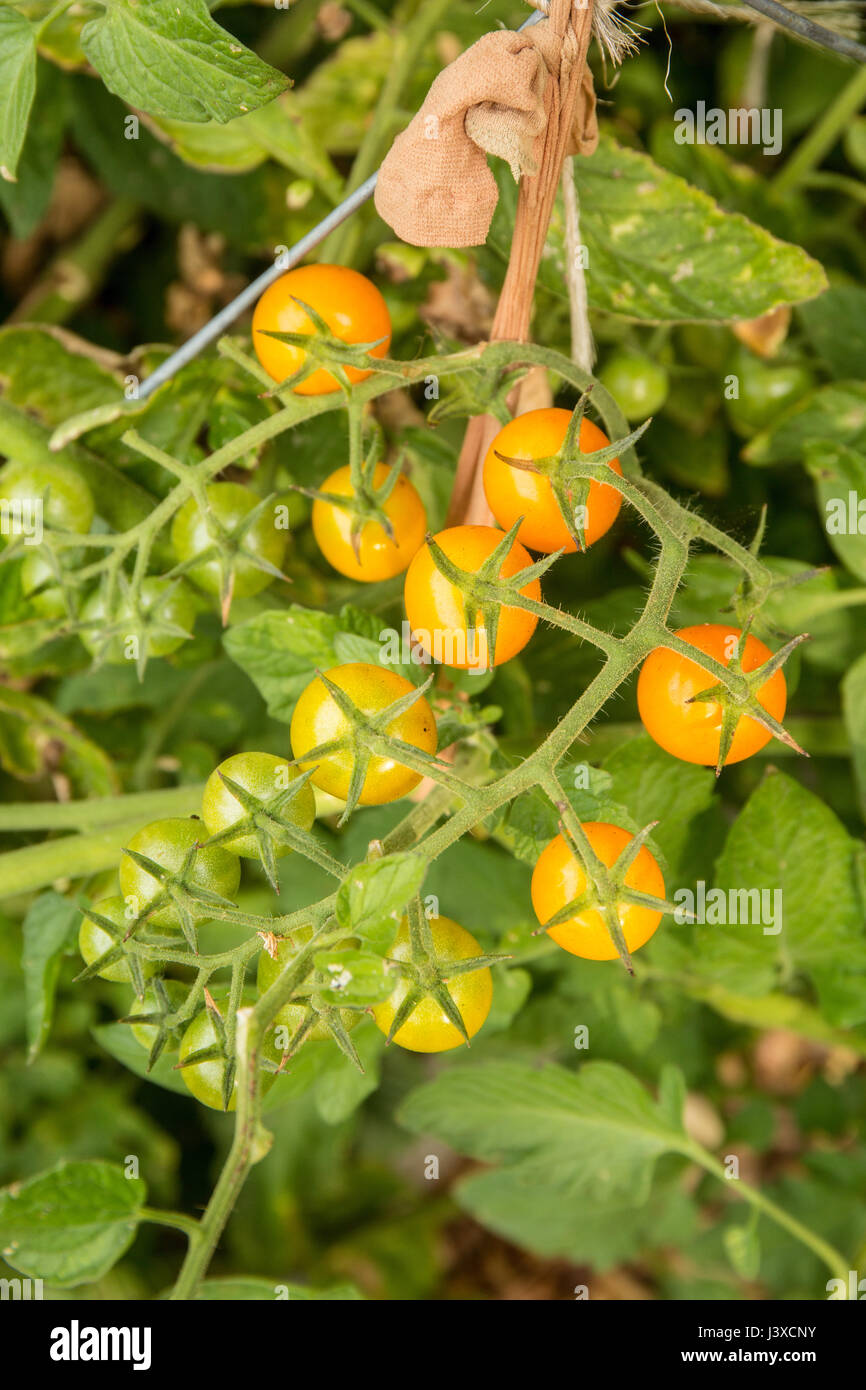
428, 1028
349, 303
379, 557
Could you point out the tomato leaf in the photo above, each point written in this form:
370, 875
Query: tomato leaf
537, 1120
175, 61
18, 84
48, 929
789, 850
248, 1289
372, 897
663, 251
70, 1224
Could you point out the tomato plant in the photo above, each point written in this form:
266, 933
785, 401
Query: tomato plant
426, 559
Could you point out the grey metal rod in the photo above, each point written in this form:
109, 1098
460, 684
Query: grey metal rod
227, 315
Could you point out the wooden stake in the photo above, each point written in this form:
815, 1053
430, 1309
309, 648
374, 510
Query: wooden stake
534, 206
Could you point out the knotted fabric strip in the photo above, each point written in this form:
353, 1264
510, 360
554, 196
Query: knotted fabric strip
435, 187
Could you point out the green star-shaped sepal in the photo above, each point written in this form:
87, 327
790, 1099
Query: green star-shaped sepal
227, 548
178, 890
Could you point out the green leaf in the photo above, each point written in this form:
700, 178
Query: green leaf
48, 928
117, 1039
662, 251
71, 1224
594, 1133
835, 323
840, 486
33, 737
340, 1087
273, 132
281, 648
357, 977
743, 1249
371, 899
672, 1094
175, 61
854, 710
537, 1218
835, 413
251, 1289
18, 85
656, 787
25, 201
47, 372
787, 842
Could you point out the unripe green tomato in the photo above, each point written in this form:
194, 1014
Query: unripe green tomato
638, 385
205, 1079
705, 344
168, 599
265, 776
193, 533
291, 1016
67, 500
94, 941
39, 583
764, 392
150, 1003
167, 843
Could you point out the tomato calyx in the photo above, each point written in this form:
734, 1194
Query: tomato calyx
164, 1018
571, 471
485, 592
119, 951
136, 613
366, 503
481, 392
178, 890
323, 349
606, 888
368, 737
428, 973
736, 694
265, 821
227, 548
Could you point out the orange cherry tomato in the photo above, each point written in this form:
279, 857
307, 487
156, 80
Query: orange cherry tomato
559, 877
436, 610
351, 306
692, 732
318, 719
514, 492
380, 557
